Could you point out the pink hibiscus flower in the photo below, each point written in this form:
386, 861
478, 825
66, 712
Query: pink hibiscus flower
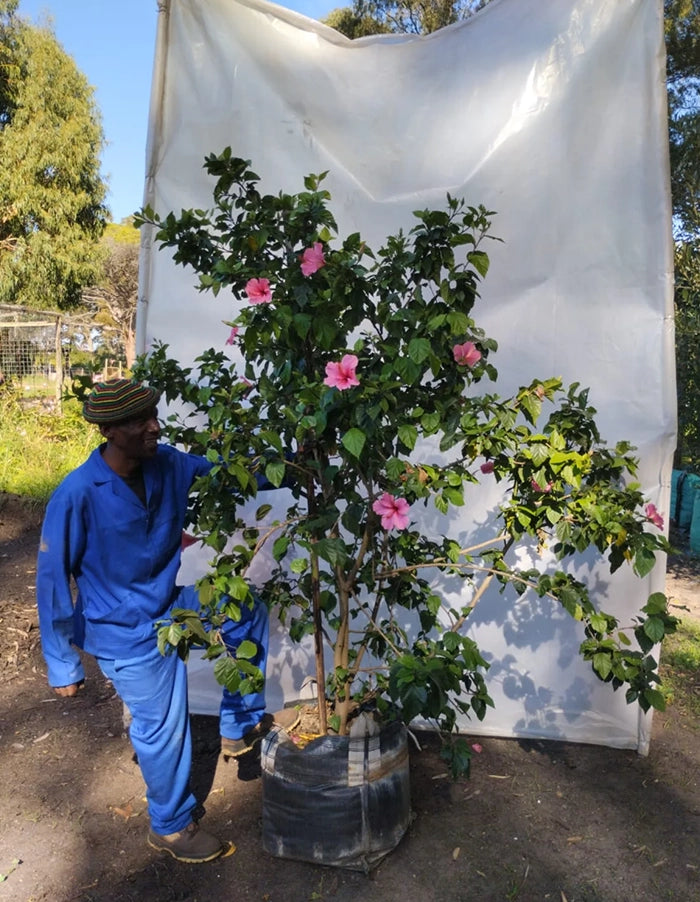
342, 375
312, 259
393, 511
653, 515
467, 354
258, 291
232, 336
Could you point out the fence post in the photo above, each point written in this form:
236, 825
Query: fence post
59, 366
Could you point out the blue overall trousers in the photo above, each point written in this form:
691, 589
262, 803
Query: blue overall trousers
154, 688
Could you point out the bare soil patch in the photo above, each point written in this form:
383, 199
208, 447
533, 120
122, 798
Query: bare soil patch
536, 821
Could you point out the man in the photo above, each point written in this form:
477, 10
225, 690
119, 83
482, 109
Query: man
114, 525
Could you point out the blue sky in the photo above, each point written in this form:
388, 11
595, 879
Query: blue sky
112, 43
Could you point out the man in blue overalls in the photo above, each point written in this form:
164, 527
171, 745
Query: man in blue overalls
114, 525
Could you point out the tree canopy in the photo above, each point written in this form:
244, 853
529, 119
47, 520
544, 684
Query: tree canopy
682, 32
367, 17
682, 27
115, 295
52, 210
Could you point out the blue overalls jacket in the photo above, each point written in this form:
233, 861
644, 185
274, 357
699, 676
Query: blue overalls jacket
124, 558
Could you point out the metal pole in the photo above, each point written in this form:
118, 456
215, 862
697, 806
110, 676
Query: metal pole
59, 366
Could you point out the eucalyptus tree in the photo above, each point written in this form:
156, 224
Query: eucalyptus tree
52, 210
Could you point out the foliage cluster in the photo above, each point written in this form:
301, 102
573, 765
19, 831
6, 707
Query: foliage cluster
51, 193
39, 447
682, 30
356, 388
366, 17
113, 298
687, 309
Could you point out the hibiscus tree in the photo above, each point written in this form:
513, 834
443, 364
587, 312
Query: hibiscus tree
355, 365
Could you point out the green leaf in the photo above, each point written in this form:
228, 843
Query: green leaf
624, 639
331, 550
459, 322
334, 722
247, 650
274, 472
645, 643
430, 422
413, 700
271, 438
354, 441
524, 517
407, 369
453, 496
299, 565
419, 349
302, 324
238, 588
655, 699
554, 516
602, 665
539, 453
644, 561
196, 627
408, 435
205, 591
532, 406
226, 674
656, 603
654, 628
599, 623
215, 651
395, 468
262, 511
163, 644
242, 475
174, 634
479, 261
279, 548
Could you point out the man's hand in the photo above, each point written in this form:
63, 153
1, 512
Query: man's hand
69, 691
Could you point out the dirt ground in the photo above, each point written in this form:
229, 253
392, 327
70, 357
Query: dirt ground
536, 821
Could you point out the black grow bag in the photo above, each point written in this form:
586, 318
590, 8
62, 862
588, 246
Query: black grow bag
341, 801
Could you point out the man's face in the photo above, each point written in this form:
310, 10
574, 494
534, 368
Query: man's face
136, 438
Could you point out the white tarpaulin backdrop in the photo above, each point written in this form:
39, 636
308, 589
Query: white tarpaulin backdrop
549, 112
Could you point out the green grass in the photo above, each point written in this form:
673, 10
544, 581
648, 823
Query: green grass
39, 447
681, 667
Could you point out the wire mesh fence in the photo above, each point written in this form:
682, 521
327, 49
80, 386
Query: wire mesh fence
37, 349
31, 356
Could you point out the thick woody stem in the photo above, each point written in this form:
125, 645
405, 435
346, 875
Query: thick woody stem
318, 624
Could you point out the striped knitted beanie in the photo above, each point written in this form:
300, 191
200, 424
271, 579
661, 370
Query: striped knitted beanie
118, 400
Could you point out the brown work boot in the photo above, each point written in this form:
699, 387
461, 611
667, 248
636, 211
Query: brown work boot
191, 844
287, 719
